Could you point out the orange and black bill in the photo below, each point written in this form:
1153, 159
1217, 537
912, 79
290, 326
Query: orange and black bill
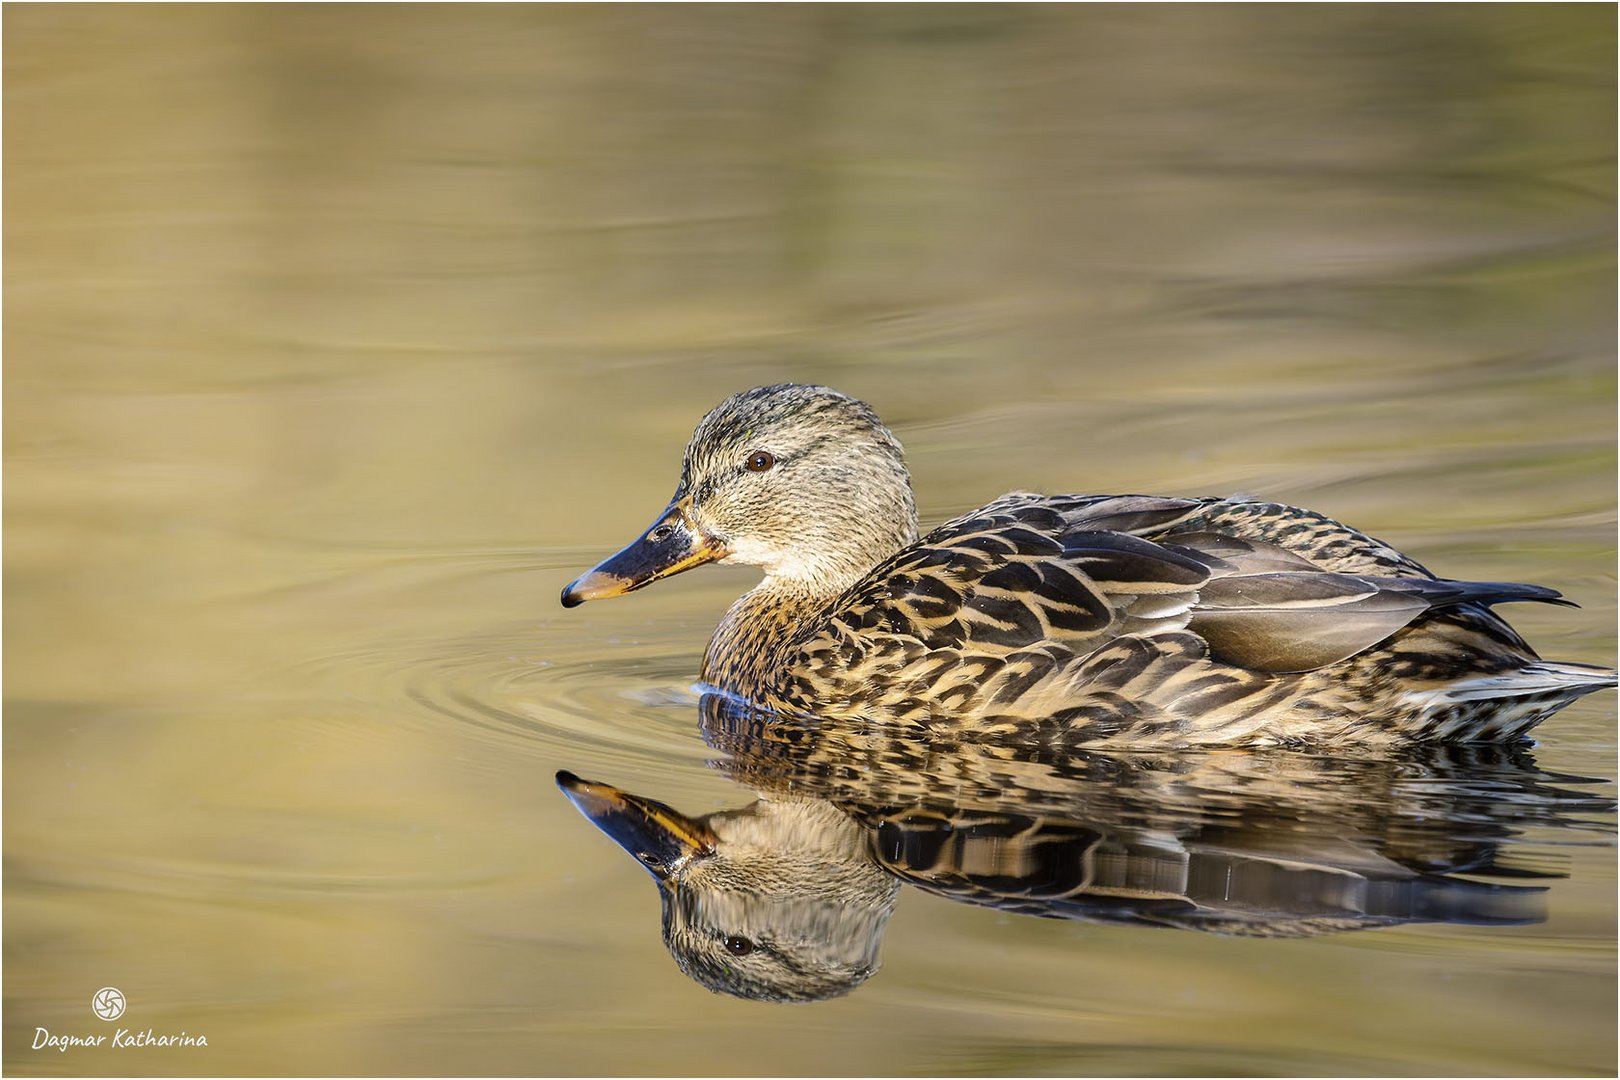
670, 545
659, 837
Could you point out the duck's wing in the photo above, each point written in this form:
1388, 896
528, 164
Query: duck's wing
1328, 544
1029, 577
1267, 609
1026, 570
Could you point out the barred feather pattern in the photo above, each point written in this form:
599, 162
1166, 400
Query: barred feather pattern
1148, 621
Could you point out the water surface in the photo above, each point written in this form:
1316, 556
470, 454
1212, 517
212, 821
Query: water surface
338, 339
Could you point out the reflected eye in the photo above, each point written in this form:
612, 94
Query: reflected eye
739, 946
760, 460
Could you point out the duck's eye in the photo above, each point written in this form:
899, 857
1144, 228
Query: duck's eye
739, 946
760, 460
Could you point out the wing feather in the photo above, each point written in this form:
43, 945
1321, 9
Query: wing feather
1029, 570
1036, 600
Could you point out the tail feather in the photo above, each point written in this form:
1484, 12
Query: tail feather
1569, 681
1443, 592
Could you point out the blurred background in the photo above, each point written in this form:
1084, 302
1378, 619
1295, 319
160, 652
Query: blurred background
339, 338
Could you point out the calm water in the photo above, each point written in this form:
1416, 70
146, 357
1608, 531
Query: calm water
338, 339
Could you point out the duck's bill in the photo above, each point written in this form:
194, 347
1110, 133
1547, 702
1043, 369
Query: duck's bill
670, 545
659, 837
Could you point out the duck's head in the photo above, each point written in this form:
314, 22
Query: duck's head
777, 901
801, 481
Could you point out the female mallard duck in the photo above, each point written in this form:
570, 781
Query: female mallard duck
1097, 620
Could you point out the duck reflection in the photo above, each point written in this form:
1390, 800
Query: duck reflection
780, 900
786, 899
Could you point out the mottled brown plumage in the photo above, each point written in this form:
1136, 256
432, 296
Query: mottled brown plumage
1074, 620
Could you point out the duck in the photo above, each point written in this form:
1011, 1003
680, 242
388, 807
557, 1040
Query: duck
1070, 621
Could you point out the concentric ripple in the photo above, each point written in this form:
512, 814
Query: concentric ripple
610, 688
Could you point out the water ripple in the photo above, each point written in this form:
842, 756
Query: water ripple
521, 691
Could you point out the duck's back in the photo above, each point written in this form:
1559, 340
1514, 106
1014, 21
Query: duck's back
1329, 544
1164, 621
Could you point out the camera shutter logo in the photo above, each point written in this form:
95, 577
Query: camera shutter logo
108, 1003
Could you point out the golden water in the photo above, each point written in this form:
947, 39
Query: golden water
337, 339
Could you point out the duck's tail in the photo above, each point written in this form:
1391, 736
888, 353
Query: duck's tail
1537, 677
1507, 704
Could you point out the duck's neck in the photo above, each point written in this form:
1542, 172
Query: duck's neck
754, 641
753, 644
